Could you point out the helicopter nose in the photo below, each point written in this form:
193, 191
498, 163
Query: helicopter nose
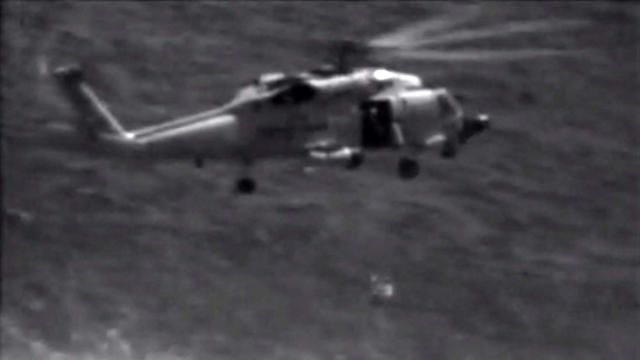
474, 125
484, 121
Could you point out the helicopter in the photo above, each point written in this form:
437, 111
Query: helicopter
335, 113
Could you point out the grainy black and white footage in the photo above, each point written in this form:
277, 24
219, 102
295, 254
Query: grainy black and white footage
524, 246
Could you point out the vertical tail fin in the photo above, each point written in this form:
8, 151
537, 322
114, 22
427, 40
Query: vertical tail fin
95, 117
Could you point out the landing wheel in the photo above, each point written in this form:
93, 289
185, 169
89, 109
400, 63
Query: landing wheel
408, 168
245, 185
355, 161
449, 149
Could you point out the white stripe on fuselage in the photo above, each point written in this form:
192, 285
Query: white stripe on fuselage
245, 96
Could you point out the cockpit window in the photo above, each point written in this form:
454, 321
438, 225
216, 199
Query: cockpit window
296, 93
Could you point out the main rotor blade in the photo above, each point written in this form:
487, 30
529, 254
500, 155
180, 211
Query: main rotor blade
479, 55
500, 31
407, 35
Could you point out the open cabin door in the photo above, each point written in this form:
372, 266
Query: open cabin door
376, 119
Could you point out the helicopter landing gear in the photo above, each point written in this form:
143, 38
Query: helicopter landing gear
245, 185
355, 161
450, 148
408, 168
